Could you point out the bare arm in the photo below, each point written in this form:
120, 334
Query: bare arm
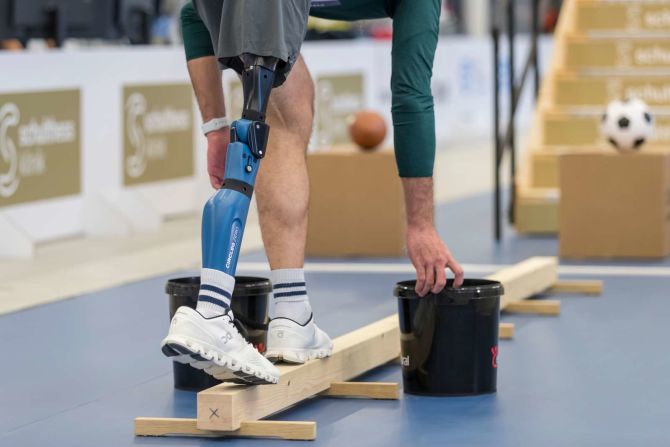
429, 255
206, 79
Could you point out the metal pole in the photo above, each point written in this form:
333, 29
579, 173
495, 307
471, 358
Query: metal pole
535, 30
496, 132
512, 105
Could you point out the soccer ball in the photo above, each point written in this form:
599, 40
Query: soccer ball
627, 124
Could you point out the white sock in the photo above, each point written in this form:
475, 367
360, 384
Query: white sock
290, 298
216, 289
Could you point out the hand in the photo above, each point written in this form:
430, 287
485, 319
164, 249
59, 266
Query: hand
430, 256
217, 145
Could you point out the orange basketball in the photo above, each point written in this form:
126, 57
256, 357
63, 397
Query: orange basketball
368, 129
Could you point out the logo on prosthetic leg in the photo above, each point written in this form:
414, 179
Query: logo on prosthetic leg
234, 241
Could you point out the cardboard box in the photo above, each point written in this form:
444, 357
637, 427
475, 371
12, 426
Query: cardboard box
615, 205
356, 204
536, 211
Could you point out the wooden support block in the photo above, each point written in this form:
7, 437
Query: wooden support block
528, 278
506, 331
290, 430
370, 390
226, 406
541, 307
585, 287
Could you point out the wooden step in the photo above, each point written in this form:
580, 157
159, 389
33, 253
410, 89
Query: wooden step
571, 90
544, 173
631, 16
573, 130
608, 53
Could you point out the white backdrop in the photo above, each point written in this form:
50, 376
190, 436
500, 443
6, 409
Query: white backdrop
462, 86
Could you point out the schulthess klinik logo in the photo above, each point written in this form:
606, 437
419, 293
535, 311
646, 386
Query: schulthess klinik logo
149, 128
136, 107
9, 180
26, 155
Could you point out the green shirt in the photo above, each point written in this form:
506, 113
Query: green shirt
415, 32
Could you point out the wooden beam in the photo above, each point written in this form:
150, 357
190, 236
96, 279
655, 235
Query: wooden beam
290, 430
542, 307
506, 330
585, 287
226, 406
370, 390
528, 278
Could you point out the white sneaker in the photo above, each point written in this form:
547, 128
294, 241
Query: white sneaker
295, 343
216, 346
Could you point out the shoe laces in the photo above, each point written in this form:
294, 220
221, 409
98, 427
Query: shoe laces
237, 326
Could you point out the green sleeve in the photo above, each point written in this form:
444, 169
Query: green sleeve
197, 42
415, 31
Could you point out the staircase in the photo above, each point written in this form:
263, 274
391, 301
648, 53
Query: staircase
604, 50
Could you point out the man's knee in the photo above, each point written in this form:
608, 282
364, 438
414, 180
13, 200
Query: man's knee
292, 105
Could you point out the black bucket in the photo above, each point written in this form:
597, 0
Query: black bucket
449, 341
250, 306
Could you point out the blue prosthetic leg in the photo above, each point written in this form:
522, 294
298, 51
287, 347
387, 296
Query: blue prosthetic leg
225, 214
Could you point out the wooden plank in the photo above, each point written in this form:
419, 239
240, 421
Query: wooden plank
528, 278
540, 307
583, 287
226, 406
290, 430
369, 390
506, 331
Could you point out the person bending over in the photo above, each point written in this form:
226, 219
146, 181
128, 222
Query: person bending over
213, 30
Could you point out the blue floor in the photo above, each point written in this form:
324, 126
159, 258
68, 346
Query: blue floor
77, 372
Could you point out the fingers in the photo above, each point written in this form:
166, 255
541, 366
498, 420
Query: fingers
420, 279
430, 280
456, 268
215, 181
440, 279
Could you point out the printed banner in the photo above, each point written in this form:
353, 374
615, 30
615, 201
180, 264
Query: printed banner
157, 133
338, 98
40, 150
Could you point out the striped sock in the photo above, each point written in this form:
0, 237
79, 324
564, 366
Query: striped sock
216, 289
290, 298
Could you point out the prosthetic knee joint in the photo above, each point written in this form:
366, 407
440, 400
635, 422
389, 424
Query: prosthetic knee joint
225, 214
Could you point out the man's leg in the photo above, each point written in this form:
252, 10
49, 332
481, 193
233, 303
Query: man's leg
282, 194
282, 187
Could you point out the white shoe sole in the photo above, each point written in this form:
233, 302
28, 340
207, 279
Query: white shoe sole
214, 362
293, 355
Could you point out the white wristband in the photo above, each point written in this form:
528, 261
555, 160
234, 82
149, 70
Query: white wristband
215, 124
